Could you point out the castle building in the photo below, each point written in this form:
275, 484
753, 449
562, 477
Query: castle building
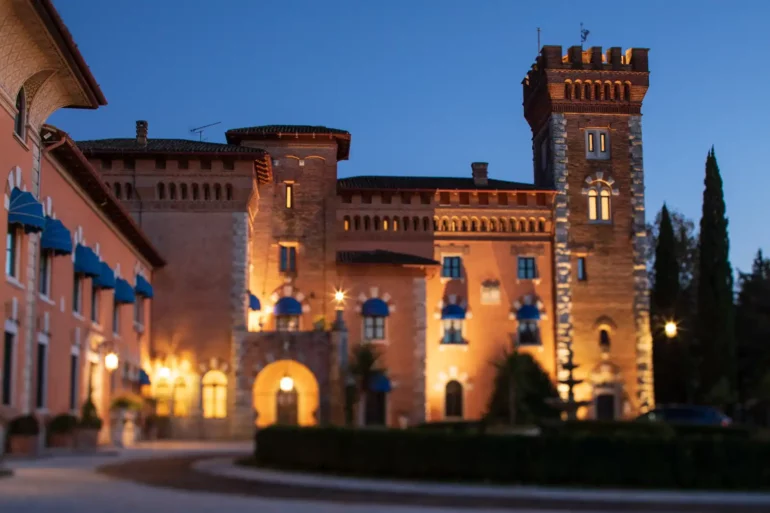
443, 275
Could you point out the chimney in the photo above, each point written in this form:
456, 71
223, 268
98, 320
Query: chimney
141, 133
479, 173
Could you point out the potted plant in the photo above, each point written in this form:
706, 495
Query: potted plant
22, 435
61, 431
88, 427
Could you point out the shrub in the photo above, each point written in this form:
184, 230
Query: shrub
454, 426
127, 401
89, 418
63, 424
587, 460
26, 425
581, 428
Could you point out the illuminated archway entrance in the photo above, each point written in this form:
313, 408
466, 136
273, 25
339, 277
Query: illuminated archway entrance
286, 392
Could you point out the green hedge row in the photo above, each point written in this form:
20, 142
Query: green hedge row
587, 460
648, 429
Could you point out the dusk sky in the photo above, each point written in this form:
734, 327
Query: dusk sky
427, 87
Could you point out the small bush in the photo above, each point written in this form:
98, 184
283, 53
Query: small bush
89, 418
26, 425
127, 401
63, 424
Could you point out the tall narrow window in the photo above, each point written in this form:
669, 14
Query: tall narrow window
597, 144
180, 399
118, 190
374, 328
451, 267
214, 395
41, 374
21, 113
289, 195
217, 191
116, 318
139, 310
604, 340
183, 191
229, 192
453, 331
129, 191
172, 191
582, 274
94, 304
206, 192
605, 204
77, 294
288, 258
46, 262
346, 223
527, 269
627, 92
593, 205
453, 400
12, 252
528, 333
161, 191
607, 91
74, 377
602, 142
195, 192
591, 142
9, 356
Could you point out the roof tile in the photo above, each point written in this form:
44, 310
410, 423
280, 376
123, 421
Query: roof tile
287, 129
427, 183
162, 146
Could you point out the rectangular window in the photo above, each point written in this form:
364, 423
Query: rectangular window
406, 198
502, 198
453, 331
541, 199
490, 294
115, 317
205, 164
451, 267
8, 366
77, 294
42, 371
184, 164
465, 198
12, 252
387, 198
287, 323
94, 304
597, 144
129, 163
289, 195
521, 199
288, 258
374, 328
229, 164
425, 198
483, 198
139, 310
106, 164
444, 198
160, 163
581, 269
74, 376
347, 198
46, 261
527, 268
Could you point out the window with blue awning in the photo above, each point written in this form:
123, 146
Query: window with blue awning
528, 313
254, 303
287, 306
380, 383
144, 378
375, 307
86, 261
106, 277
453, 312
25, 210
124, 292
143, 287
56, 237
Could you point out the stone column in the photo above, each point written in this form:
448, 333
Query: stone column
338, 369
419, 298
239, 391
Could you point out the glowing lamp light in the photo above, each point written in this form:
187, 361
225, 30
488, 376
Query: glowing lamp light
111, 361
286, 384
339, 296
670, 329
164, 373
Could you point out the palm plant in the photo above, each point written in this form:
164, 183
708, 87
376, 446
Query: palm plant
364, 367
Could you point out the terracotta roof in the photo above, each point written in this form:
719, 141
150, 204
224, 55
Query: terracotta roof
275, 132
380, 256
76, 164
162, 146
69, 49
428, 183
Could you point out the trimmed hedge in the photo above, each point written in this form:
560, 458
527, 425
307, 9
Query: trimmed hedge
646, 429
587, 460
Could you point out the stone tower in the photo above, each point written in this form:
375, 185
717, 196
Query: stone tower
584, 110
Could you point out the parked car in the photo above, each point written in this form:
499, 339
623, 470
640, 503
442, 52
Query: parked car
693, 415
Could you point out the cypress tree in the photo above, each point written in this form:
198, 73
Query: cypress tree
666, 270
715, 337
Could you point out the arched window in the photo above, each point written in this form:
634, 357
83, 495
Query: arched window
484, 225
357, 223
229, 192
118, 190
406, 224
435, 224
532, 225
453, 400
541, 225
206, 192
607, 91
587, 94
395, 224
454, 224
385, 224
129, 192
618, 97
599, 203
568, 90
161, 191
444, 224
493, 224
523, 225
195, 192
376, 223
474, 225
367, 223
214, 395
346, 223
464, 224
172, 191
426, 224
416, 223
627, 92
593, 205
183, 191
181, 401
217, 192
21, 113
503, 225
374, 312
597, 91
578, 90
604, 340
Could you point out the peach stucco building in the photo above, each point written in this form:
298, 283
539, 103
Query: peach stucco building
78, 270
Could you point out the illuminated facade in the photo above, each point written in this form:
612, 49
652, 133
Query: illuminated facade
442, 275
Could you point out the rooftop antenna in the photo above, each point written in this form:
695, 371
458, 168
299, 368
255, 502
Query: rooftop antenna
200, 130
583, 34
538, 40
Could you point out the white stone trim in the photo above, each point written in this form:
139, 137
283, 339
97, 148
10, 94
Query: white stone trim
419, 295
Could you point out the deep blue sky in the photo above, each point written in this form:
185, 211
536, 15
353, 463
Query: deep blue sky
427, 87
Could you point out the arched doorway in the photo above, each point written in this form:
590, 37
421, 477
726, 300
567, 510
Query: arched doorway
286, 392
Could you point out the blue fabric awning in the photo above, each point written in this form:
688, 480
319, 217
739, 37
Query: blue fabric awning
56, 237
143, 287
106, 277
124, 292
254, 303
380, 383
25, 210
528, 313
144, 379
453, 312
287, 306
86, 261
375, 307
